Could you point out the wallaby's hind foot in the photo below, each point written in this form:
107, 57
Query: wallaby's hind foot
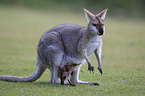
54, 75
97, 84
88, 83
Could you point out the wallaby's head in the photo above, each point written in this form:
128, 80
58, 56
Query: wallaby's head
95, 22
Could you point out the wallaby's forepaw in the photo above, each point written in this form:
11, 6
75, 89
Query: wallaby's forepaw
91, 69
100, 70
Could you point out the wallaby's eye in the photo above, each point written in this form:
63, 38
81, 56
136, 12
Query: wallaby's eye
98, 24
94, 24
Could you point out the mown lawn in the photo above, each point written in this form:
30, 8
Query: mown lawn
123, 57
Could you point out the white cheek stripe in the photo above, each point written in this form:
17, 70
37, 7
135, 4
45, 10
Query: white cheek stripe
94, 29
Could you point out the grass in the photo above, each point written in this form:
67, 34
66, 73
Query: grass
123, 57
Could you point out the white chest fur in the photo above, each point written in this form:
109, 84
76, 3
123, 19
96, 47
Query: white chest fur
94, 43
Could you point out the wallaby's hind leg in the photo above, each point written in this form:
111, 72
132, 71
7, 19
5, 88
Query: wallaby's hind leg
51, 50
54, 75
75, 77
54, 59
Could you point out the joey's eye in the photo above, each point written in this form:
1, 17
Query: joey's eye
64, 77
94, 24
67, 70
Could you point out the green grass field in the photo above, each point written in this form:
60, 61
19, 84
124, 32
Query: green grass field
123, 56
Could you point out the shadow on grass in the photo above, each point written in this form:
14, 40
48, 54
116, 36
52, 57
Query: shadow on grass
46, 83
43, 83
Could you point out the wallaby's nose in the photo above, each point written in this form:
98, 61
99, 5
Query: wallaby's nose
101, 31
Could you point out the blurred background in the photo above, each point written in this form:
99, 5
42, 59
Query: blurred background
118, 8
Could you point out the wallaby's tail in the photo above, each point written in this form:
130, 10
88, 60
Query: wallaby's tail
37, 74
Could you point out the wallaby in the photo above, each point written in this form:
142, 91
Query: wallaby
65, 44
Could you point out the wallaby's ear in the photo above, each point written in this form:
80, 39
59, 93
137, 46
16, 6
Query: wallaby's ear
88, 14
102, 14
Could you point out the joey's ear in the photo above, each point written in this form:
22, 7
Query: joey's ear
102, 14
88, 14
60, 68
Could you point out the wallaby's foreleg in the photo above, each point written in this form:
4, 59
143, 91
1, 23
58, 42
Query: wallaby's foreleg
98, 56
82, 48
90, 66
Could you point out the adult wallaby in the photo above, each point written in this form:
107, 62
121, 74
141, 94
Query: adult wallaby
65, 44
